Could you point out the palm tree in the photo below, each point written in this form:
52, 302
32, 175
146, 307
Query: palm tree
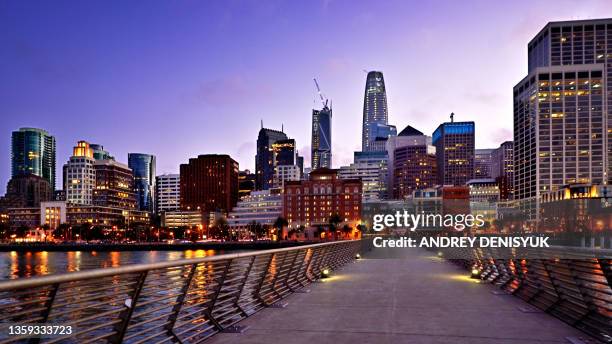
333, 222
346, 229
279, 224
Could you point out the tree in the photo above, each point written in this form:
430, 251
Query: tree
346, 229
221, 228
333, 222
61, 231
279, 224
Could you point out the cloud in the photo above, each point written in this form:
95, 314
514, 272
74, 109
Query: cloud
501, 134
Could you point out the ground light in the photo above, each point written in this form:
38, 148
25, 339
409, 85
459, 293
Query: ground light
357, 256
325, 273
440, 254
475, 273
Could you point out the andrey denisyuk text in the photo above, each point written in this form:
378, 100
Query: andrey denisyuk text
442, 242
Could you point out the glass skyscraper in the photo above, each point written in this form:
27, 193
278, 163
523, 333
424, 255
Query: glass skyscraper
374, 108
265, 160
321, 138
143, 168
33, 152
455, 146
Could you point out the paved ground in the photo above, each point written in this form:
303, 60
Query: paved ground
419, 299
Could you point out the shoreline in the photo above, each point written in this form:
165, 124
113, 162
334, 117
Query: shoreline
102, 247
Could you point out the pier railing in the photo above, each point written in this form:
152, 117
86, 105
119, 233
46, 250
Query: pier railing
573, 284
184, 301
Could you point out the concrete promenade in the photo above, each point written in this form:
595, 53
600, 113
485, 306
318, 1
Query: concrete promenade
418, 299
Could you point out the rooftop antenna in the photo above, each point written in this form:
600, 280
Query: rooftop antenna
262, 123
452, 117
282, 127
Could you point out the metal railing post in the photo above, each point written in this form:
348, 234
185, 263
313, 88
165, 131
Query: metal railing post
47, 311
180, 300
125, 316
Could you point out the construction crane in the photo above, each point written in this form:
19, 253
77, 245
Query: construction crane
323, 100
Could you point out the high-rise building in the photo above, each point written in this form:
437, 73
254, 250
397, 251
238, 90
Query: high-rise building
284, 152
454, 143
562, 125
321, 156
209, 183
265, 160
167, 193
414, 168
502, 169
26, 190
33, 152
374, 108
285, 173
369, 172
409, 136
482, 163
313, 202
114, 185
99, 153
80, 175
143, 168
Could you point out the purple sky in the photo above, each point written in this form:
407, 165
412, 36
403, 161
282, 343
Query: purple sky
182, 78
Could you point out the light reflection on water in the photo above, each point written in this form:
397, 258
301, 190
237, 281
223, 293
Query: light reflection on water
28, 264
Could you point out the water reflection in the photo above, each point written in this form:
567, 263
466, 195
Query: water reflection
28, 264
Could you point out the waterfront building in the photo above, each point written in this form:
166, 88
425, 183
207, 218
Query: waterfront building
483, 161
114, 185
167, 193
182, 218
454, 142
321, 153
209, 183
265, 159
143, 169
79, 175
502, 169
33, 152
262, 207
563, 126
375, 109
312, 202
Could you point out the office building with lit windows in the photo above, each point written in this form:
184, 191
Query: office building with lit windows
414, 168
262, 207
483, 158
454, 142
265, 160
33, 152
167, 192
209, 183
114, 185
502, 169
375, 111
562, 125
143, 169
80, 175
311, 203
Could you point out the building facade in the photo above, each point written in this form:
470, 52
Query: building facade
321, 154
167, 193
414, 168
562, 123
265, 160
27, 190
33, 152
455, 145
285, 173
143, 169
483, 161
375, 109
311, 203
99, 153
372, 175
80, 175
209, 183
502, 169
262, 207
114, 185
246, 183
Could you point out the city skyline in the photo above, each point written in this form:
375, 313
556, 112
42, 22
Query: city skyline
68, 94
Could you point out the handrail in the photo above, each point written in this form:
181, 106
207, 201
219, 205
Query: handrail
104, 272
182, 301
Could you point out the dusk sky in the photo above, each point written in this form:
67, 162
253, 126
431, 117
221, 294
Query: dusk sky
182, 78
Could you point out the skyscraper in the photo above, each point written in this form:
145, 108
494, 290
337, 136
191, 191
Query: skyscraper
454, 143
482, 163
209, 183
502, 169
114, 185
374, 108
321, 138
265, 159
562, 125
143, 168
414, 168
33, 152
80, 175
